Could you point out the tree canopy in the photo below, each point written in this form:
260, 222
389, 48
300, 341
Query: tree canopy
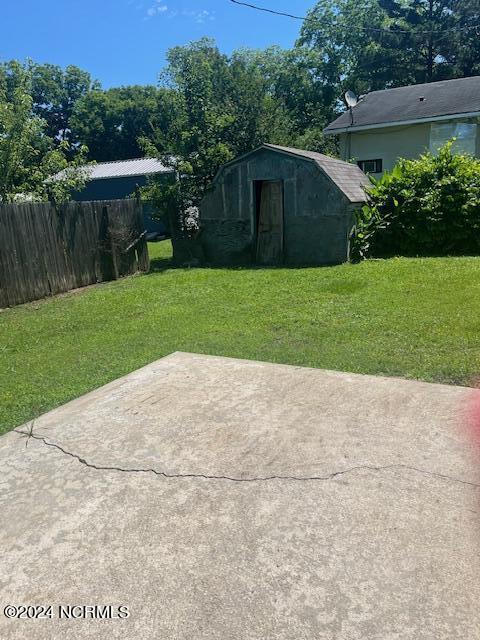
367, 45
55, 93
28, 155
110, 123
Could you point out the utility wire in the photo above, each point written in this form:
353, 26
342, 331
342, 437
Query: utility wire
374, 29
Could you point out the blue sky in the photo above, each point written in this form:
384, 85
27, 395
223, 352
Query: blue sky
125, 41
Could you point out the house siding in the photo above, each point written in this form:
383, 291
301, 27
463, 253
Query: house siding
391, 143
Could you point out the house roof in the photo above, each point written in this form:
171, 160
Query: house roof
431, 101
123, 169
349, 178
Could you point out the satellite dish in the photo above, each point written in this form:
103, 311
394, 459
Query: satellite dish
351, 99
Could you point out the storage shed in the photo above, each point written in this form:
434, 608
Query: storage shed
278, 205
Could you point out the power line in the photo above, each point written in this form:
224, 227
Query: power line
374, 29
277, 13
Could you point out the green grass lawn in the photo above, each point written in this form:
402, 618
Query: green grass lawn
416, 318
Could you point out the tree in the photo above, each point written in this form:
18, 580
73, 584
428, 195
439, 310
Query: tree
223, 109
349, 54
429, 37
55, 93
111, 122
467, 38
199, 76
304, 98
367, 45
28, 156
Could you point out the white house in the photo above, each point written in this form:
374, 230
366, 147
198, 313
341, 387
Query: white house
405, 122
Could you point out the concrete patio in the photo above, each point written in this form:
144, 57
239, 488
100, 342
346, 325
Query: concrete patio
234, 500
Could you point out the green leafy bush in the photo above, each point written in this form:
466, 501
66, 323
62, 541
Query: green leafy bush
424, 207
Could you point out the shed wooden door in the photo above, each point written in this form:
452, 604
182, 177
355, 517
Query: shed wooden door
270, 222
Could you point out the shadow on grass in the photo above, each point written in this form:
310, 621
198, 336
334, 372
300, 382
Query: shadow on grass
161, 264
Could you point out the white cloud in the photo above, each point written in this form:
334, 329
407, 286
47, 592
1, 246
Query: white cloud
157, 8
200, 16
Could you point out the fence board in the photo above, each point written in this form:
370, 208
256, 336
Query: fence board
46, 249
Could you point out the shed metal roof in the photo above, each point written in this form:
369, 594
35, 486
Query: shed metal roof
349, 178
123, 169
431, 101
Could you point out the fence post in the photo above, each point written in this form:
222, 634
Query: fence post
108, 258
113, 250
143, 259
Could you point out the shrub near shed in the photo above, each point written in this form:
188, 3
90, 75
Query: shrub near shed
424, 207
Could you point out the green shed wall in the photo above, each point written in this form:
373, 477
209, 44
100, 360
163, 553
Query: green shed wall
317, 215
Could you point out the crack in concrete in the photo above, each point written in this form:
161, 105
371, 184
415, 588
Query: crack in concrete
204, 476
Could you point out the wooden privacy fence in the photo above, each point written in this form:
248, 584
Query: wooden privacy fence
47, 249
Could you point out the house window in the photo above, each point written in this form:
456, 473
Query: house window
370, 166
465, 135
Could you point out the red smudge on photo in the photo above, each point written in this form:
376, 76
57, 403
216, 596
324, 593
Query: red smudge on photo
473, 416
